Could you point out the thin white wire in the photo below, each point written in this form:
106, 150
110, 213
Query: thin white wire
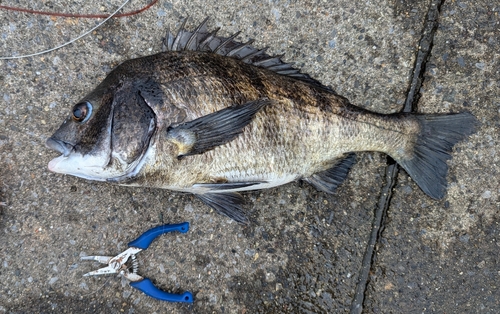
69, 42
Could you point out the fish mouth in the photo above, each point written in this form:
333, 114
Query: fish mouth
71, 162
64, 148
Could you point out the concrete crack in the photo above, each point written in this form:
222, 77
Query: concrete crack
392, 170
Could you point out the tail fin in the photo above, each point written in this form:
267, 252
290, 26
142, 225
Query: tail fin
438, 135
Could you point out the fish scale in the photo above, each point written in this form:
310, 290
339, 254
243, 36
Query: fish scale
213, 116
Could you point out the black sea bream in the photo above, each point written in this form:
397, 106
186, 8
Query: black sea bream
212, 116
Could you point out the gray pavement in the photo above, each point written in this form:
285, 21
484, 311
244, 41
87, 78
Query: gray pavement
303, 252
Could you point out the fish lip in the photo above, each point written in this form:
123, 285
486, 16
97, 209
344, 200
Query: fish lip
59, 146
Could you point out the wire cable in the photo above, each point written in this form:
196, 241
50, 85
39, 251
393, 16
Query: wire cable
69, 42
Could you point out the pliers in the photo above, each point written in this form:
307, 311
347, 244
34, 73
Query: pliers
116, 265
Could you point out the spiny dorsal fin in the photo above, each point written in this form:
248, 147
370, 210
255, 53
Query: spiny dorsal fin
179, 37
226, 43
201, 39
193, 39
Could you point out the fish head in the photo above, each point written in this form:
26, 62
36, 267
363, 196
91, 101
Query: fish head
107, 133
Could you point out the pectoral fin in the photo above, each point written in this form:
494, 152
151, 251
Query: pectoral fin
328, 180
229, 204
210, 131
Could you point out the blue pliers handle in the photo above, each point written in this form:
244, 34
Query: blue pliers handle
148, 237
146, 286
117, 264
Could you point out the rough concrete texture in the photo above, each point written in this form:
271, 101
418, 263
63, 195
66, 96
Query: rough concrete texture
444, 256
304, 249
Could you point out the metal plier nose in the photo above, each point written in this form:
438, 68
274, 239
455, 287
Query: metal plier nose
116, 265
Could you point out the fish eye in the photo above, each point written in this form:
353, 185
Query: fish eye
82, 111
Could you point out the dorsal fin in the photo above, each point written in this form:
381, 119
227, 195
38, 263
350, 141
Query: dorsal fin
201, 39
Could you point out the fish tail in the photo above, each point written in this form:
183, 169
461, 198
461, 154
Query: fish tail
438, 134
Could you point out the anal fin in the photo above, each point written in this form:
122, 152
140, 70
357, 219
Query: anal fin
328, 180
228, 204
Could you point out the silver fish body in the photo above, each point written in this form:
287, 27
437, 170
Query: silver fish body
212, 116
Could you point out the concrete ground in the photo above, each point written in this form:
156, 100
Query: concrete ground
304, 251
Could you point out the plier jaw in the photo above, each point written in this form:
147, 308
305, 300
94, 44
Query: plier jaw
117, 264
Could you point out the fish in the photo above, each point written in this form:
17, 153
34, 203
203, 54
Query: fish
213, 116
